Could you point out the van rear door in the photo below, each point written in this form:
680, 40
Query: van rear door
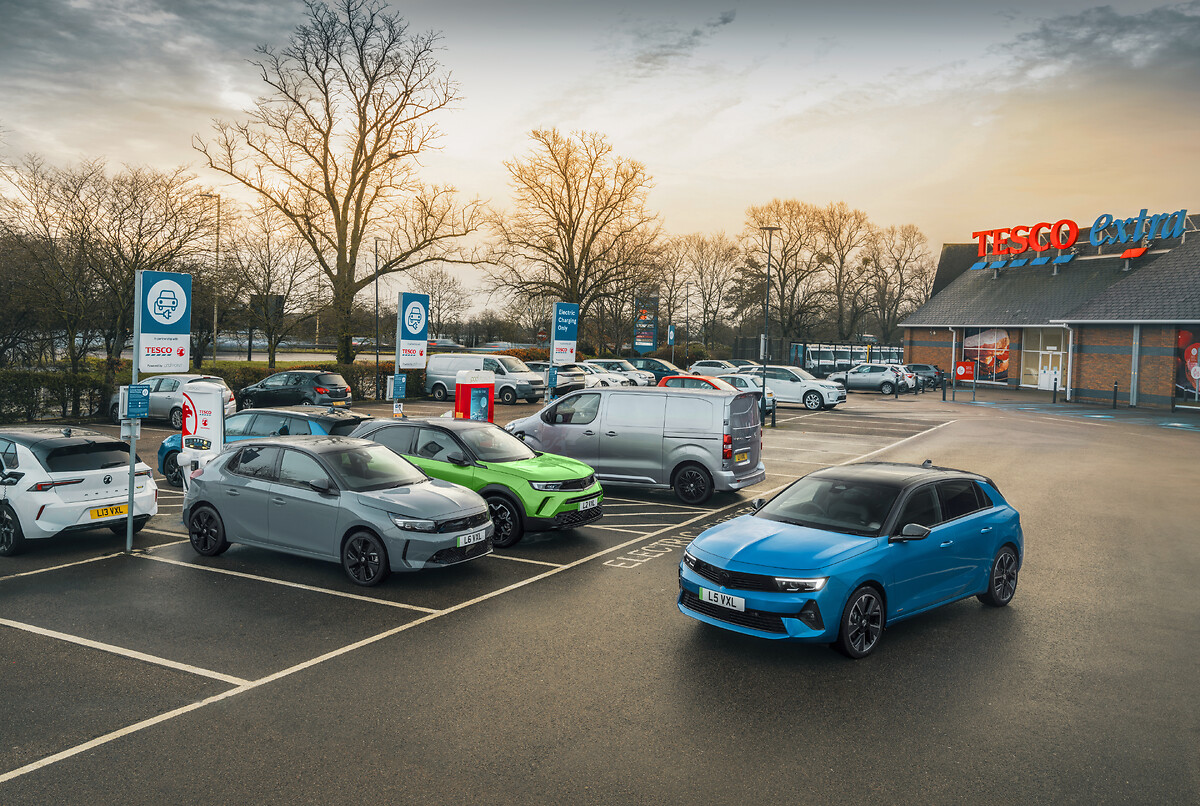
746, 430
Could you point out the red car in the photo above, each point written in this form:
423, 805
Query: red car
696, 382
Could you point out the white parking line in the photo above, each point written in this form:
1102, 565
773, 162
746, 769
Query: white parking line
635, 502
495, 556
894, 444
285, 583
128, 653
620, 529
56, 567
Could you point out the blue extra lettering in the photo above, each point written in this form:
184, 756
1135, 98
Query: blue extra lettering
1100, 230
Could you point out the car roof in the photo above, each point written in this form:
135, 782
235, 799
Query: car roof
30, 435
449, 423
894, 474
312, 412
317, 443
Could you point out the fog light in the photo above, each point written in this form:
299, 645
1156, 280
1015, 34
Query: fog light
810, 614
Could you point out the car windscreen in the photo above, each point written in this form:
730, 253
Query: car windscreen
805, 374
492, 444
512, 363
836, 505
371, 467
674, 369
330, 379
620, 366
84, 456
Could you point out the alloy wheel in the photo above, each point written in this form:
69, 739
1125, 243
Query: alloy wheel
363, 560
812, 401
865, 622
504, 518
691, 485
174, 473
205, 533
1004, 576
177, 419
8, 531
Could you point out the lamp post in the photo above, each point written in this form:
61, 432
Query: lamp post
687, 322
216, 196
766, 322
378, 396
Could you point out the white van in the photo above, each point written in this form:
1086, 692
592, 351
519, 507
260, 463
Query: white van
514, 380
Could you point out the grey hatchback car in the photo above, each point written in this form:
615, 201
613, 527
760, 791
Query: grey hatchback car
337, 499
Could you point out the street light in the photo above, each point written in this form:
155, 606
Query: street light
687, 322
378, 396
216, 196
766, 356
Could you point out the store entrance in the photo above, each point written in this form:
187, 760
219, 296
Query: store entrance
1049, 371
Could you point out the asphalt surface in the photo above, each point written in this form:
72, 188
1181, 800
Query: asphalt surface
560, 671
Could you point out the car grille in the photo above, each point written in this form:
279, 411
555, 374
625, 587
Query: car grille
458, 554
578, 484
754, 619
578, 517
462, 524
733, 579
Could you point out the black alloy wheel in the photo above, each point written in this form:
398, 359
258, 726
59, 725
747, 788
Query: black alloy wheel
247, 402
508, 396
886, 388
172, 472
438, 392
176, 419
862, 623
12, 539
692, 484
365, 559
1002, 583
206, 532
812, 401
506, 517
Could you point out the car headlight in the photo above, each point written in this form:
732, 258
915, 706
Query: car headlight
414, 524
689, 560
546, 486
788, 585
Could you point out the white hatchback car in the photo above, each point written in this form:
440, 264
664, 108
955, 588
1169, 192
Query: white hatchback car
56, 480
620, 366
794, 385
604, 377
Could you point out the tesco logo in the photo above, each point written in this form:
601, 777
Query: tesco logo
1063, 234
160, 350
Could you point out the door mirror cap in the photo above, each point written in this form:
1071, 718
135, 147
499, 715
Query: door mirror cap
758, 503
322, 486
457, 458
912, 531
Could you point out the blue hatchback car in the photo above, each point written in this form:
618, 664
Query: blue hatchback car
847, 551
285, 420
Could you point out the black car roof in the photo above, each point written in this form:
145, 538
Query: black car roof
893, 474
34, 434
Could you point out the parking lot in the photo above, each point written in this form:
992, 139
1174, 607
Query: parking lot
559, 670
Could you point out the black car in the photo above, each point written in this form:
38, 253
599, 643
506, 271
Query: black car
298, 387
929, 375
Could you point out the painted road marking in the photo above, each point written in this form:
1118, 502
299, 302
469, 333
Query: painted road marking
57, 567
128, 653
496, 556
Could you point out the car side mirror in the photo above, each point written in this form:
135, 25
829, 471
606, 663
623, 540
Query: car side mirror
322, 486
10, 478
913, 531
457, 458
758, 503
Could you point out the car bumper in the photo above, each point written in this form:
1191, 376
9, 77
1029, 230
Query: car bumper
835, 396
335, 402
77, 517
725, 480
415, 551
767, 614
563, 511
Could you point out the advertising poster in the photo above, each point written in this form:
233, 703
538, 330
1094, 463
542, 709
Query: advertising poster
989, 350
412, 331
645, 332
163, 321
566, 332
1187, 365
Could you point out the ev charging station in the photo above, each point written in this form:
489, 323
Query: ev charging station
203, 427
475, 395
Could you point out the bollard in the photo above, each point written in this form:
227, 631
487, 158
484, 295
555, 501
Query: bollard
896, 389
943, 388
1055, 398
1114, 394
775, 409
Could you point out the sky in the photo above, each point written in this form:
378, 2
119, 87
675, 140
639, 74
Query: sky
952, 115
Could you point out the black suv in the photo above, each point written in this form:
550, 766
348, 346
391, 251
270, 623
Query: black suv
928, 374
298, 387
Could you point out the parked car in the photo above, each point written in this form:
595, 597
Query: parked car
882, 378
657, 366
742, 362
794, 385
58, 480
524, 490
695, 382
334, 499
568, 377
929, 374
297, 387
848, 551
274, 422
444, 345
514, 378
603, 377
166, 397
750, 383
712, 366
694, 441
622, 367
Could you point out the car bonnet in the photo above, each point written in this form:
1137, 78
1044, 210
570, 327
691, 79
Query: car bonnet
776, 546
434, 499
547, 467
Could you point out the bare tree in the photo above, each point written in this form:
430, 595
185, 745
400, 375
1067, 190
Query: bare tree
580, 231
795, 266
449, 299
899, 272
672, 271
713, 262
334, 146
843, 233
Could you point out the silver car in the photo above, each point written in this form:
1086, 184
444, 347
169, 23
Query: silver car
166, 397
622, 367
336, 499
882, 378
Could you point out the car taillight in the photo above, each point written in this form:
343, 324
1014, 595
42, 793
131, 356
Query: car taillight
322, 390
43, 486
347, 390
727, 447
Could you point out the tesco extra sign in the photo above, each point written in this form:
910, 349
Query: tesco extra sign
1063, 234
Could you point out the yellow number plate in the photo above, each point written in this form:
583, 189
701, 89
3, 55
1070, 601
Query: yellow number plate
109, 512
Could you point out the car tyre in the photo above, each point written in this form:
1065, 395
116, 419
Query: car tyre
532, 399
507, 519
176, 419
1002, 581
206, 532
172, 472
692, 484
438, 392
508, 396
862, 623
812, 401
886, 388
114, 414
246, 402
365, 559
12, 538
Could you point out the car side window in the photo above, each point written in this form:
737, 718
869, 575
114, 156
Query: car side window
274, 382
958, 498
236, 425
435, 445
8, 454
298, 425
167, 385
398, 438
256, 462
270, 425
675, 382
296, 379
921, 507
577, 410
299, 469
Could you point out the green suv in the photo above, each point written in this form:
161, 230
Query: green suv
525, 490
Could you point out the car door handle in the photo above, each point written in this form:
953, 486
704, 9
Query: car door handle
985, 530
279, 500
948, 543
231, 492
610, 433
589, 433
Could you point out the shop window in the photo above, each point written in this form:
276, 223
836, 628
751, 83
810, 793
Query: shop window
988, 348
1187, 366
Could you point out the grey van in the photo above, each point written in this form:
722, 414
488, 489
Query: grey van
692, 440
513, 379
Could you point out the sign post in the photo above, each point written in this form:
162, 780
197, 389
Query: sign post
162, 336
412, 343
671, 341
566, 333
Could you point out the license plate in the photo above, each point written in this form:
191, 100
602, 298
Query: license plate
338, 403
741, 457
471, 539
723, 599
588, 504
109, 512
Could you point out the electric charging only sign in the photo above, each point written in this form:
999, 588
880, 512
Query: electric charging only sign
163, 321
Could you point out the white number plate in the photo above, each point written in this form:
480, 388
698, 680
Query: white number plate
723, 599
474, 537
588, 504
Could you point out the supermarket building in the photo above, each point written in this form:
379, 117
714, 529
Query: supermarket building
1057, 305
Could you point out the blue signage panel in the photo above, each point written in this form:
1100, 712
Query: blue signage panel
566, 333
163, 321
412, 331
138, 401
670, 335
399, 385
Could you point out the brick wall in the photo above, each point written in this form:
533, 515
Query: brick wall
924, 347
1104, 355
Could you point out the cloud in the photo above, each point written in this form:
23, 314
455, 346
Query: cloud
648, 50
